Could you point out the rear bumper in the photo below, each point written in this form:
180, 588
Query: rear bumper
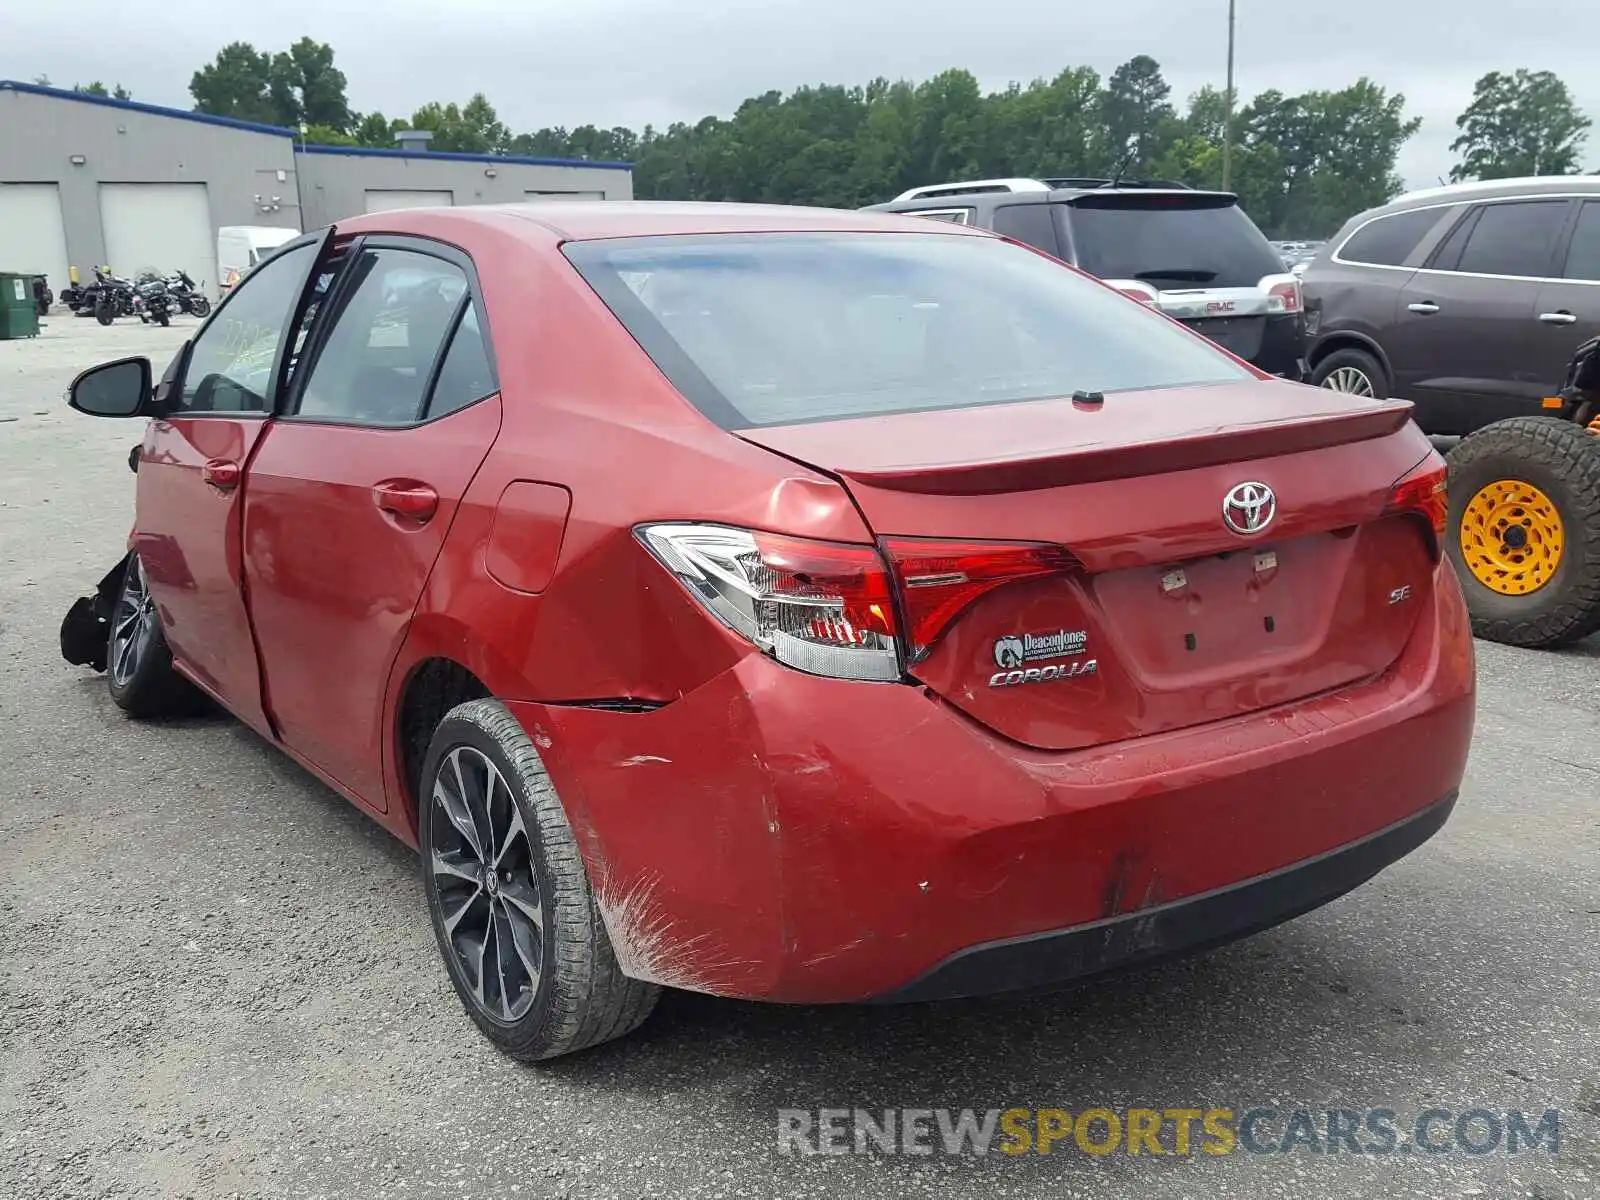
1283, 348
1183, 926
778, 836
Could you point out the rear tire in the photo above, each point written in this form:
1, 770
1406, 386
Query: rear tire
200, 306
139, 668
1354, 371
541, 979
1561, 460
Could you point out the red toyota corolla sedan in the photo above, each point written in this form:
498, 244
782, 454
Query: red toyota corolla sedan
787, 604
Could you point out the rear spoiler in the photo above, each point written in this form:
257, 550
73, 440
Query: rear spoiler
1119, 460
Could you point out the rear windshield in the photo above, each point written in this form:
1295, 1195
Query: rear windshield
777, 329
1169, 242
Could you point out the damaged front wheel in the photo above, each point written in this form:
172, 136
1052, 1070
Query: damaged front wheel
138, 663
516, 920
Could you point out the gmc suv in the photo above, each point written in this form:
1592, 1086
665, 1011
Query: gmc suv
1193, 255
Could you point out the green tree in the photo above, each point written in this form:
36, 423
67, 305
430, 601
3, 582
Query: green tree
293, 87
237, 83
1050, 128
473, 128
374, 129
1333, 154
326, 135
1524, 123
1135, 113
320, 86
117, 92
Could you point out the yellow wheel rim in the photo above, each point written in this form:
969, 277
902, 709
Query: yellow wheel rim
1511, 537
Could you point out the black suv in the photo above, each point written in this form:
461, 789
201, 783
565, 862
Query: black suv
1193, 255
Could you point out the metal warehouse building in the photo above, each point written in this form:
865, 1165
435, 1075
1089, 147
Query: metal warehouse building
87, 180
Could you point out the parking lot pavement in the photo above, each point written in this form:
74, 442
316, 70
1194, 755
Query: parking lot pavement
218, 979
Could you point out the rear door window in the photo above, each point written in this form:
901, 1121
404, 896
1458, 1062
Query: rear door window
1583, 255
1515, 238
1388, 241
390, 317
1170, 241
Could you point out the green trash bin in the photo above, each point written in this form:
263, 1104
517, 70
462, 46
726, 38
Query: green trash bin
19, 315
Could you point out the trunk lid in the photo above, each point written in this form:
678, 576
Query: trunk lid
1183, 619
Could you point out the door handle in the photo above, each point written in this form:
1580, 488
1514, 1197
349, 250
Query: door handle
406, 498
221, 473
1558, 318
1425, 308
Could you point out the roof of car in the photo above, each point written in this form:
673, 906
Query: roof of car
1492, 189
585, 220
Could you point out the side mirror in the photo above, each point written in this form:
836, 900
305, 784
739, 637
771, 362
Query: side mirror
113, 389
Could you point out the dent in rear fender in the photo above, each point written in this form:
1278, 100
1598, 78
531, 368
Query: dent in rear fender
678, 832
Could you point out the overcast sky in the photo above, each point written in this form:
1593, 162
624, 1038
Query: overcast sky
628, 62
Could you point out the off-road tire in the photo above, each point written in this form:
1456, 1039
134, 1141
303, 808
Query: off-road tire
152, 688
1360, 360
582, 997
1562, 460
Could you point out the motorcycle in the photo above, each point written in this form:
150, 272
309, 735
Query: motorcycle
188, 296
151, 301
112, 297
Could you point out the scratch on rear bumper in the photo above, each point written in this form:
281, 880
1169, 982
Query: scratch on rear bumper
1190, 924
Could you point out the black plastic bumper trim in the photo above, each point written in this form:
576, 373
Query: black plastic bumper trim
1180, 927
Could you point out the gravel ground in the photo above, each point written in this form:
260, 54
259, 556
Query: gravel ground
217, 979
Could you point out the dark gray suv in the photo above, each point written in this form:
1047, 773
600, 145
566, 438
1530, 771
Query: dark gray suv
1194, 255
1466, 300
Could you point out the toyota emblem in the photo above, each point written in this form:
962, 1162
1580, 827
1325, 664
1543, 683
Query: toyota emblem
1249, 508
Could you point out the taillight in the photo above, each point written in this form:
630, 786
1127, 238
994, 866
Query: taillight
822, 607
1134, 290
938, 578
1422, 491
1283, 293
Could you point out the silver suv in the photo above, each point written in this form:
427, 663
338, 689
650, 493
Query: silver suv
1194, 255
1466, 300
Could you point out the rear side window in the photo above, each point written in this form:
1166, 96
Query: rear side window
1514, 239
1583, 256
1170, 241
1389, 241
465, 376
775, 329
1030, 223
956, 216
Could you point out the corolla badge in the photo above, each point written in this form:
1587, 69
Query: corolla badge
1014, 651
1249, 508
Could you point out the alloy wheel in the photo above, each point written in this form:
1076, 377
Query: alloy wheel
482, 867
133, 624
1349, 379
